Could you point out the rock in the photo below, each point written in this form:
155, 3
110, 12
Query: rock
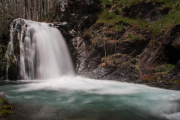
126, 59
174, 74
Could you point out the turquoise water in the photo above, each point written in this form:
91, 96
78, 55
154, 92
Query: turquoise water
78, 98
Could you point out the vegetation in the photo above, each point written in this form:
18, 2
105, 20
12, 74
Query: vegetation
115, 23
133, 38
120, 22
165, 68
175, 81
5, 108
113, 13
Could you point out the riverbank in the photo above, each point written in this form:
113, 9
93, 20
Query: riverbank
160, 84
24, 112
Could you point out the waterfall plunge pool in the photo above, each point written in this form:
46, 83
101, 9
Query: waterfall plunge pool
78, 98
47, 92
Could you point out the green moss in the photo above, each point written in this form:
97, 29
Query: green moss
127, 3
175, 81
134, 58
158, 79
132, 37
120, 40
165, 68
5, 108
118, 27
157, 27
112, 18
4, 112
166, 23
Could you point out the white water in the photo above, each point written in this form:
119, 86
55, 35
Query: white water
82, 98
43, 51
44, 55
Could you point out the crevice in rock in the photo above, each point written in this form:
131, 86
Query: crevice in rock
171, 55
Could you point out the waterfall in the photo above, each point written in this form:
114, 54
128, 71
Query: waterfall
43, 51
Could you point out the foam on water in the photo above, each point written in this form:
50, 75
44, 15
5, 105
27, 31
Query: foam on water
174, 116
79, 93
50, 82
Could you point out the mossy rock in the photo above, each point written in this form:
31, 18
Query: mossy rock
4, 112
2, 101
5, 108
175, 81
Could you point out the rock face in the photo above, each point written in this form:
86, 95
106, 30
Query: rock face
128, 54
107, 40
146, 10
174, 73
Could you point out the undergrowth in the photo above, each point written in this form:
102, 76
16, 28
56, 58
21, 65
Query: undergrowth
163, 25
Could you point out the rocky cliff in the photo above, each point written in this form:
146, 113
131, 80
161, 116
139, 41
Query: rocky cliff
134, 41
128, 40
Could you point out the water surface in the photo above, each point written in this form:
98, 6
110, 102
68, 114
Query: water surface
78, 98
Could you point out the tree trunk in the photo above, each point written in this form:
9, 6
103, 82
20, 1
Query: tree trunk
16, 8
25, 5
3, 3
31, 9
42, 7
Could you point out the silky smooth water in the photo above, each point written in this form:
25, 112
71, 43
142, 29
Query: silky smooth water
43, 50
51, 90
79, 98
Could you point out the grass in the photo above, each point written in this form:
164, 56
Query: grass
157, 27
118, 27
127, 3
111, 19
119, 2
114, 20
166, 23
163, 24
132, 37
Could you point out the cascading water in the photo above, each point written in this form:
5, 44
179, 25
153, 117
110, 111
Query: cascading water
62, 96
43, 51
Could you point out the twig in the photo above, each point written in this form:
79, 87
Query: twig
3, 95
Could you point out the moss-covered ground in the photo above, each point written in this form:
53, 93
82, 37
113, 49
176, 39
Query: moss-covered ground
5, 108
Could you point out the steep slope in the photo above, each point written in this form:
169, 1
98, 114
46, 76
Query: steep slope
128, 40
